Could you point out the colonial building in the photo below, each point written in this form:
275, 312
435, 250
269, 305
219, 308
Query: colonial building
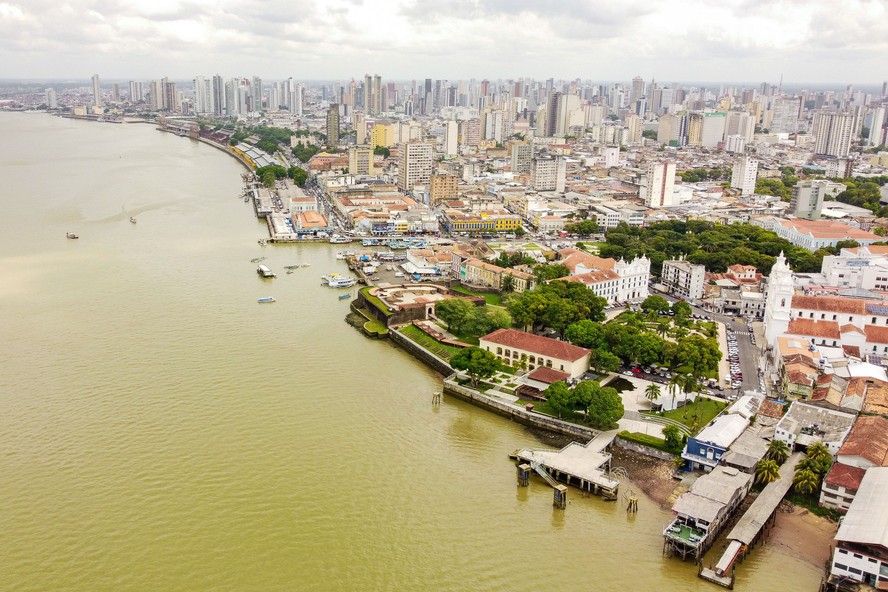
516, 348
615, 281
683, 278
478, 273
865, 447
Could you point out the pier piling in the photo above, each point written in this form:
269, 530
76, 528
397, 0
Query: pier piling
560, 500
524, 474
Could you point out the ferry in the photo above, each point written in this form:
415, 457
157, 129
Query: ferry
334, 280
266, 299
265, 272
337, 239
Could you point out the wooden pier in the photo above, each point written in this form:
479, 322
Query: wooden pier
751, 526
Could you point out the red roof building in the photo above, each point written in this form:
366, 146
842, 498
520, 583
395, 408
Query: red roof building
521, 349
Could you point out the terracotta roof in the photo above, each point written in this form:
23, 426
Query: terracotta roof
771, 409
845, 476
593, 277
851, 350
571, 258
829, 304
850, 329
868, 438
812, 328
552, 348
876, 400
547, 375
876, 334
828, 229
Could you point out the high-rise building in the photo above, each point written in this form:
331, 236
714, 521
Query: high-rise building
735, 144
96, 90
807, 199
522, 153
203, 95
740, 123
743, 175
470, 132
550, 124
713, 132
443, 188
168, 96
52, 99
451, 138
136, 91
415, 164
256, 94
360, 126
360, 160
633, 127
637, 89
115, 93
492, 125
695, 129
548, 173
659, 185
785, 115
832, 133
218, 95
875, 130
155, 95
333, 124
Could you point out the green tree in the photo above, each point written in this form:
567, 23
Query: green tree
682, 309
382, 151
602, 360
655, 304
806, 481
778, 451
586, 333
652, 392
766, 470
268, 179
454, 312
544, 272
298, 175
560, 399
478, 363
672, 436
508, 284
584, 228
605, 406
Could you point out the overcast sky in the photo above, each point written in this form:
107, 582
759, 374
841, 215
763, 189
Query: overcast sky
834, 41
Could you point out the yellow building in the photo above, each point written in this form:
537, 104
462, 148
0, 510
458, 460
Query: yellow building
443, 188
360, 160
481, 222
382, 135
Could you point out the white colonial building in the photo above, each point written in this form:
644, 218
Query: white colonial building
683, 278
615, 281
860, 267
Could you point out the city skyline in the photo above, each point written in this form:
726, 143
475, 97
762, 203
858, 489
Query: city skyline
691, 40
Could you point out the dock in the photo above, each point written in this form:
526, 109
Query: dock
751, 525
586, 466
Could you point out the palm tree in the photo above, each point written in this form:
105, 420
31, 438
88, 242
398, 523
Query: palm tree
819, 452
652, 392
766, 471
778, 451
806, 482
674, 386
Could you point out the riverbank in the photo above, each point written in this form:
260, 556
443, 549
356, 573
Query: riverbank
653, 476
804, 535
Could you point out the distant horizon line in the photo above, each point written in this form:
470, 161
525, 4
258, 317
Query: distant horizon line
405, 80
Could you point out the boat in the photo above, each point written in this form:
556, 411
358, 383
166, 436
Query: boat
246, 198
258, 259
133, 220
71, 235
262, 242
265, 299
334, 280
339, 239
289, 271
306, 265
344, 296
291, 267
265, 272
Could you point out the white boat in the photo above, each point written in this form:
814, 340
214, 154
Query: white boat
265, 299
71, 235
334, 280
338, 239
265, 272
133, 220
262, 242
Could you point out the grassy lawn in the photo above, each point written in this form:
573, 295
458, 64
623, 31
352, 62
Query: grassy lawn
375, 326
489, 298
436, 347
375, 301
646, 439
531, 247
700, 412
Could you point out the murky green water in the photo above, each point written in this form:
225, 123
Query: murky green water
160, 430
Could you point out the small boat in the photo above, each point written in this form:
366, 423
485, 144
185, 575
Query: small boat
265, 272
246, 198
338, 239
262, 242
344, 296
289, 271
71, 235
291, 267
133, 220
306, 265
265, 299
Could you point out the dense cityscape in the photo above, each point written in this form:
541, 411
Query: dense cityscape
694, 272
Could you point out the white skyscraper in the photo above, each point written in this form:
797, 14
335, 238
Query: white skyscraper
203, 95
97, 90
832, 133
136, 91
415, 166
878, 120
743, 175
659, 185
52, 99
713, 129
451, 138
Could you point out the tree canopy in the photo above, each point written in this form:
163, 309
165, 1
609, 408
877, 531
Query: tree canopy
605, 406
555, 304
478, 363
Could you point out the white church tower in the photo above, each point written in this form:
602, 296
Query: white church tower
778, 307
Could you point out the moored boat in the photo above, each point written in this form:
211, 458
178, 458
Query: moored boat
334, 280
